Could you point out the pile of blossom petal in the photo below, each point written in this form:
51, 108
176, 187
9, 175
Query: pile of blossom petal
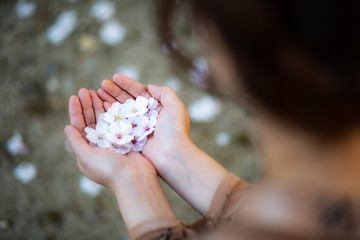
125, 127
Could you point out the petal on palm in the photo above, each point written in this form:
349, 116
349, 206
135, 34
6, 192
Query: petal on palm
103, 143
91, 134
141, 101
102, 127
143, 121
142, 142
153, 103
152, 121
127, 138
142, 110
138, 131
137, 148
111, 137
127, 108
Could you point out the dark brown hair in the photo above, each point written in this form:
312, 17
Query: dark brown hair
300, 59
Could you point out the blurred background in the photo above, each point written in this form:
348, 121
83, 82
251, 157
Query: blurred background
51, 49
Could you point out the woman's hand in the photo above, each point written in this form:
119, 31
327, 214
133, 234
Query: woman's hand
173, 124
187, 169
100, 165
132, 177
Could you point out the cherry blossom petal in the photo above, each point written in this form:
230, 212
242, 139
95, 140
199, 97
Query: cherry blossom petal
152, 121
138, 131
153, 103
138, 146
141, 102
91, 134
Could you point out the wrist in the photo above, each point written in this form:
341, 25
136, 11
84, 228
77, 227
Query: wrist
131, 179
173, 154
140, 197
192, 173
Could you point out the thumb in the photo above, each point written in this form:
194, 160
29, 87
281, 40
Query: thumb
76, 142
165, 95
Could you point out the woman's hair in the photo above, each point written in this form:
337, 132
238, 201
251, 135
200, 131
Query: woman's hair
299, 59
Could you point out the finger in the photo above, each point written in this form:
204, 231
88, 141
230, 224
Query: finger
105, 96
115, 91
135, 155
131, 86
97, 104
87, 107
76, 114
77, 143
107, 105
165, 95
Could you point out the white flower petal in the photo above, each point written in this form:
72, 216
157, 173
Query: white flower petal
174, 84
102, 116
152, 113
152, 121
129, 101
25, 9
128, 106
107, 117
138, 145
129, 70
222, 138
102, 10
199, 74
138, 131
137, 148
25, 172
126, 128
112, 33
103, 143
115, 128
15, 145
120, 149
141, 102
111, 137
116, 107
143, 121
91, 135
62, 28
149, 131
126, 139
89, 187
153, 103
102, 127
141, 141
205, 109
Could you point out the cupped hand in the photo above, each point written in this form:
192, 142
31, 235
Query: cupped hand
173, 125
100, 165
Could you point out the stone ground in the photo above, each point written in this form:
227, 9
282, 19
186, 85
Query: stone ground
36, 80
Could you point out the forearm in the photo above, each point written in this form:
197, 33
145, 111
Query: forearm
192, 174
142, 199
